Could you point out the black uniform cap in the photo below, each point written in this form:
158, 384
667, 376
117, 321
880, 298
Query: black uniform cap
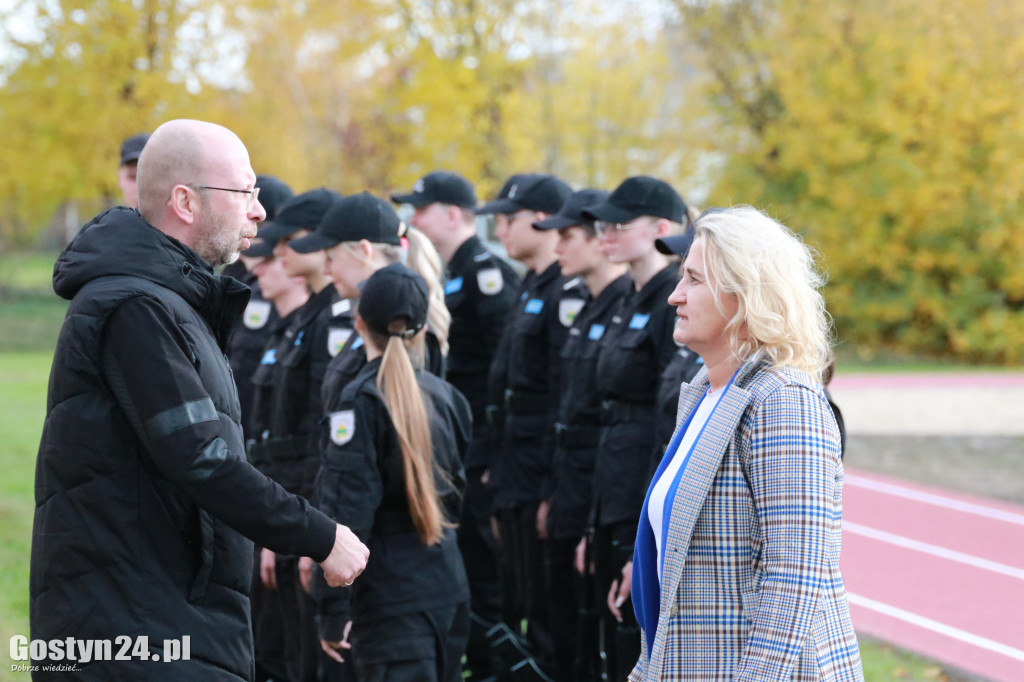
676, 245
571, 213
131, 148
532, 192
360, 216
439, 187
301, 212
391, 293
639, 196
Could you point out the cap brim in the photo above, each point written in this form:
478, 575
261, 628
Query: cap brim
273, 232
312, 242
417, 200
261, 248
555, 222
676, 245
610, 213
498, 207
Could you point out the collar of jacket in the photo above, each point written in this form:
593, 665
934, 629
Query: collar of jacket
118, 242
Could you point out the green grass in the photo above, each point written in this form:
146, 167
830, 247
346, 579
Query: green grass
23, 378
30, 313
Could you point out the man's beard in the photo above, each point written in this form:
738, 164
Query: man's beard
216, 245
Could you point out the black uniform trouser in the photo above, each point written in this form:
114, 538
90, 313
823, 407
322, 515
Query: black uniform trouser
298, 620
419, 647
522, 566
267, 628
480, 554
573, 628
613, 547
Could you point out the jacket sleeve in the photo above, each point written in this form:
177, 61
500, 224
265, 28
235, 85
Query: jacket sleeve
154, 375
792, 454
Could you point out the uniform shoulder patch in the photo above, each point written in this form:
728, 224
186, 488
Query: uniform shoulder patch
336, 340
490, 281
256, 314
343, 426
341, 307
568, 308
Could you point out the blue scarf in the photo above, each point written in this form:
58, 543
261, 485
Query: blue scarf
646, 586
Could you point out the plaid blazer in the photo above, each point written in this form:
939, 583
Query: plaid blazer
750, 586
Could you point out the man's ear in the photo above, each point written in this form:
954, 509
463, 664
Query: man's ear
184, 204
664, 228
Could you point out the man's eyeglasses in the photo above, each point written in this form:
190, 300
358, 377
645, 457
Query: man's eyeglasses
253, 193
602, 228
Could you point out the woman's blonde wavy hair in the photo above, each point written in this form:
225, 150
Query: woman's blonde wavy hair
421, 257
775, 279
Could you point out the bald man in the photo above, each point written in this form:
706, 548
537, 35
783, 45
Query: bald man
144, 498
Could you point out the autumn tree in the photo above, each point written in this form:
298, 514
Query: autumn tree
888, 132
80, 77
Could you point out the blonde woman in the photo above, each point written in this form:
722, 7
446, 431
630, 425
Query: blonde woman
395, 474
736, 568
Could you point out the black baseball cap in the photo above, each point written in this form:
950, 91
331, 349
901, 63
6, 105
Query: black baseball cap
360, 216
530, 191
390, 293
442, 187
676, 245
571, 213
301, 212
273, 194
131, 148
638, 196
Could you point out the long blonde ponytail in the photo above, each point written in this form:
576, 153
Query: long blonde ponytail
396, 382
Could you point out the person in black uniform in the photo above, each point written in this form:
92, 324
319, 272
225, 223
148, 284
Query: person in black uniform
393, 470
528, 370
684, 364
635, 350
480, 292
245, 348
289, 442
359, 235
569, 597
287, 295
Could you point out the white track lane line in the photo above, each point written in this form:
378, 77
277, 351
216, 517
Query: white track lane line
935, 626
934, 550
937, 500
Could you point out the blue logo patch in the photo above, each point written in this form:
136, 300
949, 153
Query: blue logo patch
639, 321
358, 343
596, 332
453, 286
534, 306
298, 339
270, 357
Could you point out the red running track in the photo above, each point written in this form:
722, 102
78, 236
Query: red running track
936, 572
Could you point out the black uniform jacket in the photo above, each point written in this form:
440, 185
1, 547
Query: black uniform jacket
143, 494
245, 348
529, 371
362, 484
481, 291
635, 350
579, 415
257, 423
291, 442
